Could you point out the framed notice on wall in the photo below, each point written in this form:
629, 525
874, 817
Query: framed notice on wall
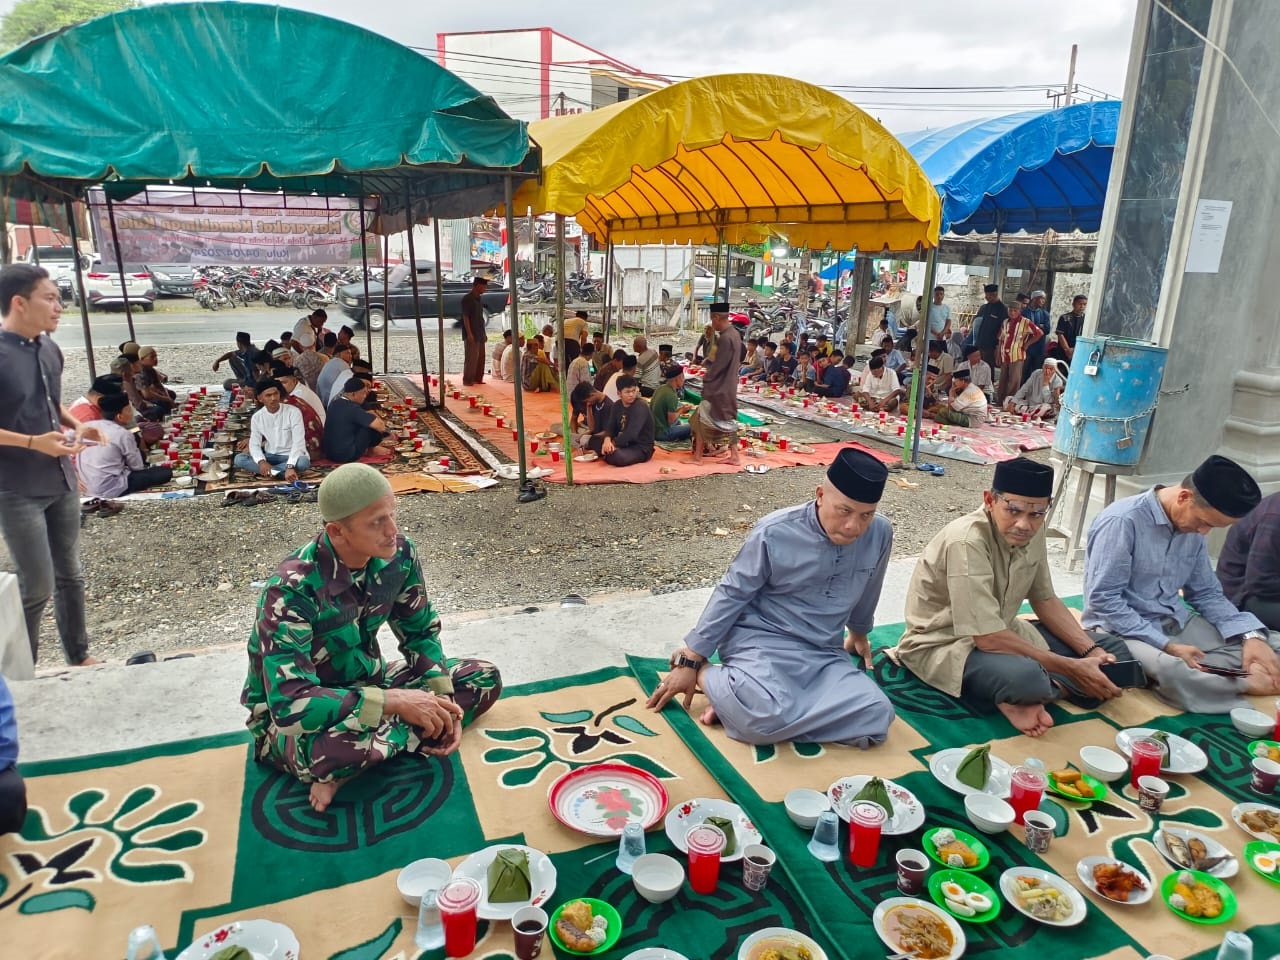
1208, 236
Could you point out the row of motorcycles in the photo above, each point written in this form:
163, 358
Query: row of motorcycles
775, 320
280, 286
578, 288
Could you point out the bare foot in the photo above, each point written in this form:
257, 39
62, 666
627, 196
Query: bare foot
90, 662
322, 794
1030, 719
708, 717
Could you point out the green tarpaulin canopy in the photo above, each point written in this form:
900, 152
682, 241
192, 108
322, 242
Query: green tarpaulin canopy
245, 95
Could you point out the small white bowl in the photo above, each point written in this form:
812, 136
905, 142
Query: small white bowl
657, 877
1106, 765
804, 807
1252, 723
182, 481
989, 814
419, 877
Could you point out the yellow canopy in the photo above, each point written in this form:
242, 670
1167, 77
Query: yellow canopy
752, 153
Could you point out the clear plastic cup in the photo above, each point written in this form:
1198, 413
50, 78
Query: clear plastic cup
458, 901
705, 844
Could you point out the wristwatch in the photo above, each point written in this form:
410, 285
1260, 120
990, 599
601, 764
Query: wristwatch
680, 660
1252, 635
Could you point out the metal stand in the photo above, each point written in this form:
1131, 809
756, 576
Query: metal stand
1088, 469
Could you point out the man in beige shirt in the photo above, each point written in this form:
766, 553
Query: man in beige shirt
964, 635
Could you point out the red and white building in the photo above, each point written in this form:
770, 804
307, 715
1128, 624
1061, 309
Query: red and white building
539, 72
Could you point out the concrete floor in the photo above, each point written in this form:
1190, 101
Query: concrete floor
68, 713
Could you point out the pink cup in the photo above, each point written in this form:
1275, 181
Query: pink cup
555, 456
764, 435
515, 435
473, 401
457, 394
488, 409
501, 422
782, 443
533, 445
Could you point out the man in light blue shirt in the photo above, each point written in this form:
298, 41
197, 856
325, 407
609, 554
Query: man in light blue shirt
939, 316
13, 792
1148, 580
778, 617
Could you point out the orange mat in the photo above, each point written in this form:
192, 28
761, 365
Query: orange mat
542, 409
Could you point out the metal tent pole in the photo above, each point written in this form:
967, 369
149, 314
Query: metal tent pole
364, 262
513, 296
84, 307
124, 287
608, 288
995, 266
435, 227
562, 353
417, 303
386, 293
915, 410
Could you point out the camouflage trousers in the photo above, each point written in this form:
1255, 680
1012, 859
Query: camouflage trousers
339, 754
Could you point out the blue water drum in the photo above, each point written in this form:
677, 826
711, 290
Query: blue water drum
1110, 397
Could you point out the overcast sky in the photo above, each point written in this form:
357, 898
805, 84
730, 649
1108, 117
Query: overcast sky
896, 43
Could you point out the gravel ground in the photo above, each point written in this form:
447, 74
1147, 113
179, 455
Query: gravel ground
180, 575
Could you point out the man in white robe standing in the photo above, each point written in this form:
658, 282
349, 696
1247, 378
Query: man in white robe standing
777, 620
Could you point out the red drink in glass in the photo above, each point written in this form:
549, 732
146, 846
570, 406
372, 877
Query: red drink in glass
458, 902
1148, 755
705, 843
1275, 735
866, 820
1026, 790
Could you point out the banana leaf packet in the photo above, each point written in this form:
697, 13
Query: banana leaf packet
730, 838
975, 768
232, 953
509, 877
875, 791
1162, 738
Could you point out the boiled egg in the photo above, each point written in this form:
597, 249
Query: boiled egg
1265, 862
980, 903
961, 909
953, 891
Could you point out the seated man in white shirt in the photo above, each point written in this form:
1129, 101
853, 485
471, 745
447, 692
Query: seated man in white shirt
980, 374
277, 438
878, 389
509, 360
966, 405
116, 467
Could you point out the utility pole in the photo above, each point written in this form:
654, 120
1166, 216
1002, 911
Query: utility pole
560, 110
1071, 76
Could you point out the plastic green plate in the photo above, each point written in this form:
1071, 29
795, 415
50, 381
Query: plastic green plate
1099, 789
976, 845
598, 908
969, 884
1218, 887
1257, 847
1253, 747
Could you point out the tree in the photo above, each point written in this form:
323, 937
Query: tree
31, 18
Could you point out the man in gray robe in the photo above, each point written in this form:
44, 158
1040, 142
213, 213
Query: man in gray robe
714, 424
777, 620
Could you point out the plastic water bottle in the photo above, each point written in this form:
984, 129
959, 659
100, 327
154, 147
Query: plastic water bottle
1235, 946
630, 847
430, 932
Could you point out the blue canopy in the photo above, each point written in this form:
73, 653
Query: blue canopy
833, 269
1033, 171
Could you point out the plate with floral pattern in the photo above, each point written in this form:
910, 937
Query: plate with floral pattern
685, 816
602, 798
907, 813
264, 939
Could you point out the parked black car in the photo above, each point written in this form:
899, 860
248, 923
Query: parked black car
173, 279
351, 297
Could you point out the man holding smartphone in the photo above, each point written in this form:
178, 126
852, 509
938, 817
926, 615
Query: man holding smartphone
964, 635
1148, 580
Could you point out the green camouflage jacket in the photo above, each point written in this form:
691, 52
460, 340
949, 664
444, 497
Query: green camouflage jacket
314, 662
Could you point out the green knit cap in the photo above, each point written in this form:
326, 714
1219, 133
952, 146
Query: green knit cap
349, 489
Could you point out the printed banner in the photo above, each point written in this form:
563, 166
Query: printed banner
227, 227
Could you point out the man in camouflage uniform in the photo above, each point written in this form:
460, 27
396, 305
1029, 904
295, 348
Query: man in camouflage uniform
324, 705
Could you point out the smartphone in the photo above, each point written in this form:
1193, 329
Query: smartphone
1224, 671
1125, 673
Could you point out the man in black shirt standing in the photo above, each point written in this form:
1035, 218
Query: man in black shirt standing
473, 333
1069, 328
39, 499
987, 323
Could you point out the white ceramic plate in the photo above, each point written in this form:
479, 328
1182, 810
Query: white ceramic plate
683, 817
878, 918
907, 813
1184, 756
1008, 889
1084, 871
1228, 868
586, 458
265, 939
655, 953
542, 876
780, 933
943, 766
1240, 809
